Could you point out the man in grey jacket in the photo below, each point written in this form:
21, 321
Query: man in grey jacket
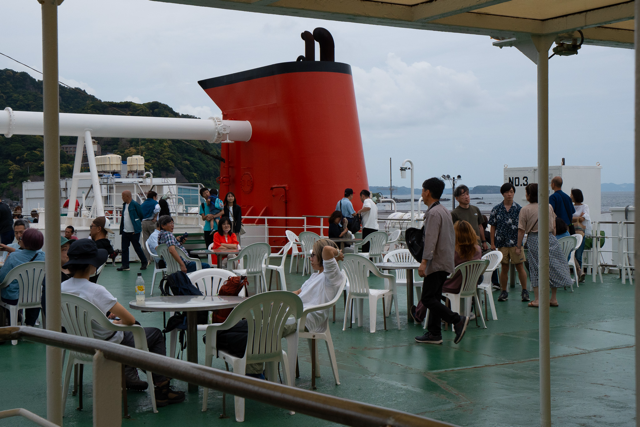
437, 264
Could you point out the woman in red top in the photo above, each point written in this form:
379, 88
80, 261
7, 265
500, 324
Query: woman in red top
224, 239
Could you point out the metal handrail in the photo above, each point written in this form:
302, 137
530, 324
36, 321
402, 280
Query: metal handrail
330, 408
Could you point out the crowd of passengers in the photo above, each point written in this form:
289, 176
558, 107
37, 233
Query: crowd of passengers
450, 238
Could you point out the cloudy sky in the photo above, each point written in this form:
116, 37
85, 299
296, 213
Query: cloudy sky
452, 103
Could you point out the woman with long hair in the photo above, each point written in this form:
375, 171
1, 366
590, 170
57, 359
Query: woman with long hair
164, 208
337, 225
233, 212
467, 249
528, 224
224, 238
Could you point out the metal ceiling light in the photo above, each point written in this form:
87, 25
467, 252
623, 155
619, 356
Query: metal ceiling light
564, 48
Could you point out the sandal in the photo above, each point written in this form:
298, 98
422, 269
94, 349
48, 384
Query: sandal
532, 304
553, 304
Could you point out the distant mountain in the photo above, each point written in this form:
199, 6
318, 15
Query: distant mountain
22, 157
616, 187
485, 189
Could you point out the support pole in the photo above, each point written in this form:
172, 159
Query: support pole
52, 200
97, 190
636, 232
107, 395
543, 43
77, 165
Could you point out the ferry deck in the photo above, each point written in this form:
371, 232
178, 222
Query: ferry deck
491, 378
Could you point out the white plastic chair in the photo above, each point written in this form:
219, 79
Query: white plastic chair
322, 333
357, 268
392, 242
376, 241
254, 257
280, 268
471, 272
30, 276
495, 258
569, 244
403, 255
79, 317
573, 262
296, 248
156, 260
172, 265
307, 238
266, 316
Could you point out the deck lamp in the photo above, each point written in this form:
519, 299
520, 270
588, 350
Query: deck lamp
403, 174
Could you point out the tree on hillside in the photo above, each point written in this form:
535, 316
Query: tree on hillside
21, 157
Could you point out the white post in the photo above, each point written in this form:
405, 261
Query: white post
636, 232
97, 190
543, 43
75, 177
107, 397
412, 211
51, 133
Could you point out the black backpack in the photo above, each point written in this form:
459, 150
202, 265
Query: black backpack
179, 284
414, 239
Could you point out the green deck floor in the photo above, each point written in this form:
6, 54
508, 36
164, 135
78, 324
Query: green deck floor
490, 378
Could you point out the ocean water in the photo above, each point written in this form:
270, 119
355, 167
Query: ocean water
487, 201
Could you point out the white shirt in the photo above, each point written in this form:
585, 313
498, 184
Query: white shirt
370, 217
98, 296
587, 219
128, 225
153, 241
320, 289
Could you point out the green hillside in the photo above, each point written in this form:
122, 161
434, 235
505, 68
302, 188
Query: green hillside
21, 157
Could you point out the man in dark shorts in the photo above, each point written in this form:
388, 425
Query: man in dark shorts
504, 236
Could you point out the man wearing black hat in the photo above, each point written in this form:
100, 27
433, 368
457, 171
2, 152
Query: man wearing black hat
84, 259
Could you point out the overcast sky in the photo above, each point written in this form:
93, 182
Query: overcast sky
452, 103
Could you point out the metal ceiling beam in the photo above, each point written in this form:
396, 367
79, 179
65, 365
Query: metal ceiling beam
401, 16
609, 37
430, 11
592, 18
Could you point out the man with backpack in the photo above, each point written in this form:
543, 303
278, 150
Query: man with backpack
345, 206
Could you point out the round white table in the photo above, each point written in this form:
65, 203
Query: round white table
191, 304
409, 266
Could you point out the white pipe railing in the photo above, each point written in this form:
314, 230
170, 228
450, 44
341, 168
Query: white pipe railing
212, 130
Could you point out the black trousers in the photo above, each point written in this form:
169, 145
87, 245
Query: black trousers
431, 299
365, 233
133, 239
156, 344
208, 238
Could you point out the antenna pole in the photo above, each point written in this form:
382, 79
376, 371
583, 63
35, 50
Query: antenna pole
390, 180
